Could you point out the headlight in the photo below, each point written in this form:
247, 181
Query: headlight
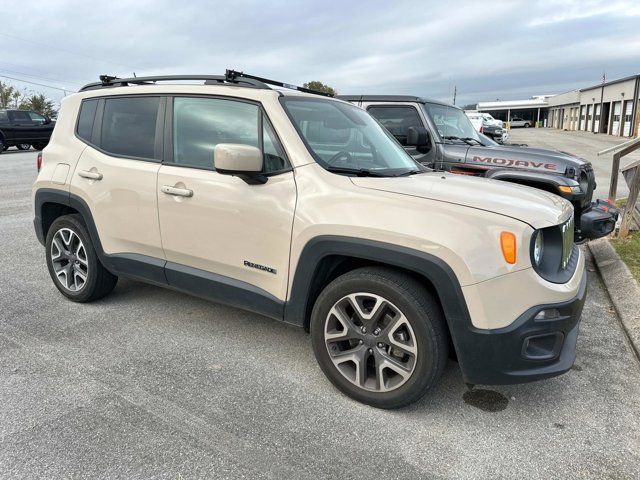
538, 247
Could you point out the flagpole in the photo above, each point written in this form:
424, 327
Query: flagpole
602, 105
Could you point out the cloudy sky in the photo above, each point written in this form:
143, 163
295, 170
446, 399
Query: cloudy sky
488, 49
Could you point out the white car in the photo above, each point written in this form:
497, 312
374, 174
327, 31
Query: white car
520, 122
489, 126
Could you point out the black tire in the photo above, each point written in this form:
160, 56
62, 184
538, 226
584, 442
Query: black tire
418, 306
3, 147
39, 146
99, 281
23, 146
526, 125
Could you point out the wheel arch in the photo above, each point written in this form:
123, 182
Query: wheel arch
325, 258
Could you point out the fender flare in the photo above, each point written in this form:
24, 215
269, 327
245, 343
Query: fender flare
435, 270
554, 181
134, 265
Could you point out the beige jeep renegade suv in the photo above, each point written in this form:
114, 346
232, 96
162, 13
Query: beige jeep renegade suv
303, 208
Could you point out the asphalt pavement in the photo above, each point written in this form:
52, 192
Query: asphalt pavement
150, 383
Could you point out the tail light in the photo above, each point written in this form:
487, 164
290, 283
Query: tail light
482, 129
39, 161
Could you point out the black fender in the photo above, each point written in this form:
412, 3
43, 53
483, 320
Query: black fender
552, 181
435, 270
136, 266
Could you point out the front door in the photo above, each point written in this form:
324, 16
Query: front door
217, 230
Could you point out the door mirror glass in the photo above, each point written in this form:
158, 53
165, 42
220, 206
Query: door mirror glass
243, 161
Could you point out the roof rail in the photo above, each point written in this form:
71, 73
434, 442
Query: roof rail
109, 81
231, 77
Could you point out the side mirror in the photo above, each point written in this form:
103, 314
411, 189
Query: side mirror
243, 161
47, 120
418, 137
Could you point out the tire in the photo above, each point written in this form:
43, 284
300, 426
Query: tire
392, 296
70, 252
526, 125
3, 147
23, 146
39, 146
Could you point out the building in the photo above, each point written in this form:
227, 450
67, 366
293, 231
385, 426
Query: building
610, 108
533, 110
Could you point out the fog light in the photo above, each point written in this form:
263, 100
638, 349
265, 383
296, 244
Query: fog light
548, 314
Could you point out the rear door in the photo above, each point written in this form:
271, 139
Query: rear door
22, 126
117, 172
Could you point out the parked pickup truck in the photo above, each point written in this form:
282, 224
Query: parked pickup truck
441, 137
22, 128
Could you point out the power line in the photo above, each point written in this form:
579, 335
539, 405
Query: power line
65, 90
66, 51
37, 77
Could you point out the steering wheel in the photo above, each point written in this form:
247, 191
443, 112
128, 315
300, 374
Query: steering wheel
341, 157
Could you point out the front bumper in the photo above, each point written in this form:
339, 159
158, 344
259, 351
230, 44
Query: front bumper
529, 349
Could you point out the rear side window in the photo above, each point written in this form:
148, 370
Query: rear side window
3, 116
21, 117
129, 126
86, 118
397, 120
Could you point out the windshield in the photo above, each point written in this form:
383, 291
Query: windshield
345, 139
452, 123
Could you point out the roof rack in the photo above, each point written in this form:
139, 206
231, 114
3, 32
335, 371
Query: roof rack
231, 77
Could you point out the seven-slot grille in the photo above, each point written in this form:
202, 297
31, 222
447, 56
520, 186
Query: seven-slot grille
567, 241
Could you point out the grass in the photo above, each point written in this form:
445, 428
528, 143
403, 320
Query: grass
629, 248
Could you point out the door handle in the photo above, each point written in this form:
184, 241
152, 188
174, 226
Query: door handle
179, 192
90, 175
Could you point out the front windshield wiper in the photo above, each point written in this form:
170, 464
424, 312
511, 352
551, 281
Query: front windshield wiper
466, 140
358, 172
410, 172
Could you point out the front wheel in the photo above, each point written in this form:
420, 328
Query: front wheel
72, 261
526, 125
379, 336
23, 146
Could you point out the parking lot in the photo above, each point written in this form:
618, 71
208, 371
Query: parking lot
152, 383
582, 144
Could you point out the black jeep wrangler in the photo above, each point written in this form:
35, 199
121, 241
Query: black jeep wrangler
441, 137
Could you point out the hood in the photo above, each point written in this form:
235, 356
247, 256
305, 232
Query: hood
540, 159
535, 207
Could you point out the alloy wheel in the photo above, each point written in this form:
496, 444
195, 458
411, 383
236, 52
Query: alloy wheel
69, 260
370, 342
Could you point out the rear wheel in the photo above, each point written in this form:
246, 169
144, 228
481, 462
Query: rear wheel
39, 145
379, 336
23, 146
526, 125
72, 261
3, 146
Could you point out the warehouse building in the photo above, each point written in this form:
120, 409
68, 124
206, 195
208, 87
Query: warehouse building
532, 110
610, 108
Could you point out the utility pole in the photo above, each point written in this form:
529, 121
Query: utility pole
455, 91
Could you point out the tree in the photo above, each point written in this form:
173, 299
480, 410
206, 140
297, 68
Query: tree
320, 87
6, 94
39, 103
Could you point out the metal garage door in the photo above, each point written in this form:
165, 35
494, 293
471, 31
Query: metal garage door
617, 107
582, 117
596, 124
628, 106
